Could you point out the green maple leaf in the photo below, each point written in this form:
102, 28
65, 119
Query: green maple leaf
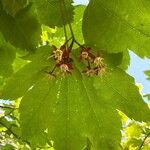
76, 108
73, 108
70, 118
12, 7
53, 12
23, 30
7, 56
147, 74
76, 112
116, 26
27, 75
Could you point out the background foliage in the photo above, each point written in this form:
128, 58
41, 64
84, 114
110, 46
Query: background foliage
72, 111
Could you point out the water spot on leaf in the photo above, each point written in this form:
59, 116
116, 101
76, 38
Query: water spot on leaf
58, 95
46, 130
54, 110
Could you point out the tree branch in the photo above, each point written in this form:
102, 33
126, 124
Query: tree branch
8, 107
15, 135
142, 144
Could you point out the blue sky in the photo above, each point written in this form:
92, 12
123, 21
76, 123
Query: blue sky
137, 66
81, 1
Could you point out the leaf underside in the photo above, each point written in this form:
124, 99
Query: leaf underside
54, 12
7, 56
118, 25
73, 109
13, 7
23, 31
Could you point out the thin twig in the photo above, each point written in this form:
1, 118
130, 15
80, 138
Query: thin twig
89, 65
79, 44
70, 26
65, 32
142, 144
63, 20
15, 135
71, 30
8, 107
9, 129
71, 45
67, 41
